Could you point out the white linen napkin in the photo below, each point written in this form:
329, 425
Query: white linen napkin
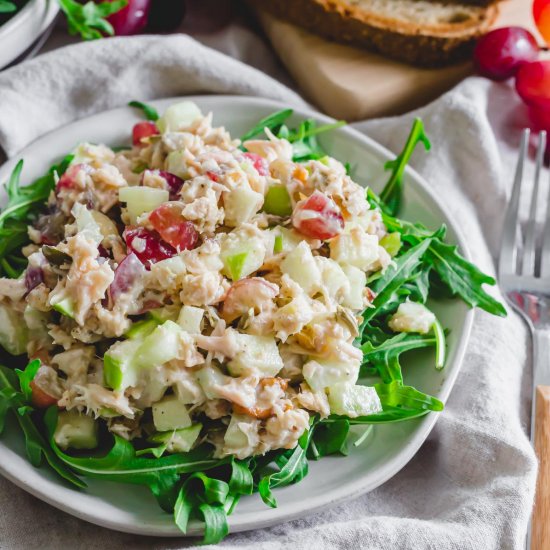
471, 484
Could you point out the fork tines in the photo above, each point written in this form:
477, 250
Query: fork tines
522, 255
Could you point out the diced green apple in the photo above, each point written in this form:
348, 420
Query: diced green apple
13, 330
176, 163
242, 256
256, 355
354, 299
240, 205
277, 201
86, 224
142, 199
210, 378
119, 365
63, 304
178, 116
321, 374
141, 329
170, 414
235, 437
76, 431
178, 441
353, 401
161, 346
300, 266
190, 319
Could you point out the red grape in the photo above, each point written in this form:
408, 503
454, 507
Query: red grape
259, 163
499, 54
541, 15
131, 19
318, 217
33, 277
147, 245
67, 180
533, 84
176, 231
143, 130
128, 272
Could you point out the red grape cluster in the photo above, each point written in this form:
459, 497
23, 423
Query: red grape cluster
514, 52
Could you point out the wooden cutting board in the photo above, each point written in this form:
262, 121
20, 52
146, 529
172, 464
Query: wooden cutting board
354, 84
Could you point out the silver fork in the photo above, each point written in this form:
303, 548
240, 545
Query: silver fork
524, 276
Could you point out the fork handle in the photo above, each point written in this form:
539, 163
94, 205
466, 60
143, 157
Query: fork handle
540, 527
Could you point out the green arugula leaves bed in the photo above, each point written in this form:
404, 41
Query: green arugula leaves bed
194, 485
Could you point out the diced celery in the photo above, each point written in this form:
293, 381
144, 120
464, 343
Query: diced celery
391, 242
178, 441
277, 201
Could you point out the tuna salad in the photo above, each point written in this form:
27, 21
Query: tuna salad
220, 305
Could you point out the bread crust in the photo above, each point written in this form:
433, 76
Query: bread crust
417, 44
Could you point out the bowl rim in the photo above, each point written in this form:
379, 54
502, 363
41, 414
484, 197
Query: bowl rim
312, 504
19, 18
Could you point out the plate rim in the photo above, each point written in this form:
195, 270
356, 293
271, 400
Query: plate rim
313, 504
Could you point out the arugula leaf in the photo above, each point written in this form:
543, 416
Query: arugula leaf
304, 141
387, 416
385, 357
394, 276
463, 278
440, 345
330, 438
24, 204
150, 112
36, 447
395, 394
26, 376
7, 7
391, 194
271, 122
121, 464
88, 20
204, 496
293, 467
241, 481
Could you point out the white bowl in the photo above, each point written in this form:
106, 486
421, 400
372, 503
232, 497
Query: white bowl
332, 479
21, 31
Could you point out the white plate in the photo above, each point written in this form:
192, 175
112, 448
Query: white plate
331, 480
21, 31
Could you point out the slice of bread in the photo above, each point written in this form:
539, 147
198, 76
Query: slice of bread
420, 32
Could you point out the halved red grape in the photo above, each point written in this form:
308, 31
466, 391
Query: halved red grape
175, 230
259, 163
127, 274
131, 19
147, 245
533, 84
499, 54
33, 277
318, 217
143, 130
